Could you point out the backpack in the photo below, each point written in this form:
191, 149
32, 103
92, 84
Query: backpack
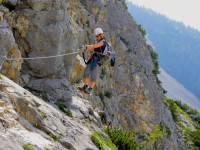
108, 54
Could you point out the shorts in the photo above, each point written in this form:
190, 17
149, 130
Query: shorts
91, 73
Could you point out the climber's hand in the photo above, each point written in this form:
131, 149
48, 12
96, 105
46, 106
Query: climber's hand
84, 48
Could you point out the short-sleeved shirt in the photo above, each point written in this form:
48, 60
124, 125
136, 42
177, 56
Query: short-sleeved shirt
99, 51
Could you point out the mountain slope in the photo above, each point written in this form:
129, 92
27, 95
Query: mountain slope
127, 95
177, 46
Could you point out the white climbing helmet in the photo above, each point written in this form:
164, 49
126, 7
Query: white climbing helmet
98, 31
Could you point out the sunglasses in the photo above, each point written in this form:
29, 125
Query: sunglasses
97, 35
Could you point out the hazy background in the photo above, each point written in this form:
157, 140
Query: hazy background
178, 47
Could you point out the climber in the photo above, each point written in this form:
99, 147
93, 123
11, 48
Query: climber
94, 62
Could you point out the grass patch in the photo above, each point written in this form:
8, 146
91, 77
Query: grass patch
70, 148
64, 109
193, 113
154, 57
168, 131
157, 133
27, 147
99, 141
88, 23
196, 136
124, 4
191, 138
173, 108
141, 29
108, 94
176, 110
101, 96
42, 113
126, 139
54, 137
123, 140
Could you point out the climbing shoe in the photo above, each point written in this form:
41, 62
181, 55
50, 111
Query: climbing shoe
82, 88
88, 91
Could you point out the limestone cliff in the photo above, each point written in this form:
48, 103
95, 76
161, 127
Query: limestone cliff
51, 27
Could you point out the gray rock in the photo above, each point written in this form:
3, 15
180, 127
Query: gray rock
6, 39
9, 49
10, 2
3, 24
47, 28
40, 120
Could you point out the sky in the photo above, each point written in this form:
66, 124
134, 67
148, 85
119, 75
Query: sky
186, 11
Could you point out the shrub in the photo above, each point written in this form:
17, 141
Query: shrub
27, 147
123, 140
196, 136
158, 132
193, 111
100, 141
173, 109
88, 23
64, 109
154, 57
185, 107
54, 137
168, 130
70, 148
101, 96
124, 4
108, 94
179, 103
164, 91
141, 29
97, 142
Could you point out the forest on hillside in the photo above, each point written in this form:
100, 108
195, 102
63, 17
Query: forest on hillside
177, 45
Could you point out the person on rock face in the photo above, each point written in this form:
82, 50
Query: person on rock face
93, 64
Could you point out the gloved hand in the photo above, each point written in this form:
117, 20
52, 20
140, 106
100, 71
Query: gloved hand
84, 48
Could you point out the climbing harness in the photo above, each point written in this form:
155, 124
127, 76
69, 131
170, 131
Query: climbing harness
105, 55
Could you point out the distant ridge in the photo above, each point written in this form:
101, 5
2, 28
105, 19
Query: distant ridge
177, 45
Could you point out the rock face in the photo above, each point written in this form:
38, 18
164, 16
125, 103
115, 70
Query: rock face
128, 93
10, 49
34, 121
